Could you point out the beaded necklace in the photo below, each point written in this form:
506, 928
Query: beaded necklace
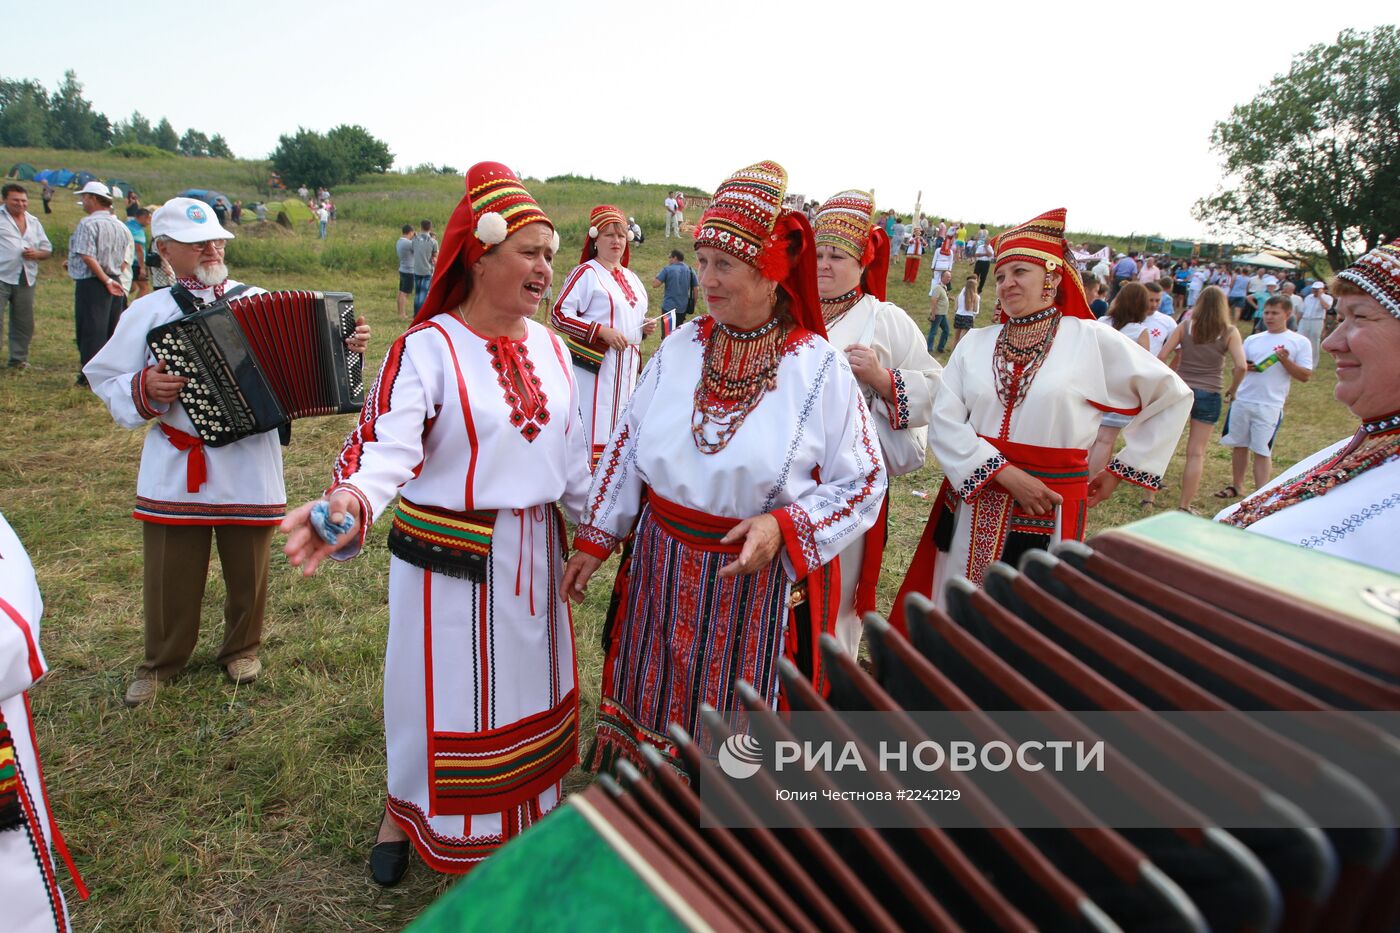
737, 369
1020, 351
1375, 443
834, 309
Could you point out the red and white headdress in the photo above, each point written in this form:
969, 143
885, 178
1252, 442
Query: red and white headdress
600, 217
847, 222
1378, 274
495, 206
747, 220
1041, 240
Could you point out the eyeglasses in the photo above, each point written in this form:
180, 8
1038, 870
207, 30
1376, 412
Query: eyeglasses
216, 245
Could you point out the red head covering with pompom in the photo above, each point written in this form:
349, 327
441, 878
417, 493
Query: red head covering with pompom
600, 217
495, 206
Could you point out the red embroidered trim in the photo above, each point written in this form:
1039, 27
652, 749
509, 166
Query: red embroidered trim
138, 396
799, 539
621, 279
515, 373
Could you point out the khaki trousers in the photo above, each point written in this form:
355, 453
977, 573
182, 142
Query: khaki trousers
177, 565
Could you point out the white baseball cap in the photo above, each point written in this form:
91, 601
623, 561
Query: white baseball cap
1319, 285
187, 220
97, 188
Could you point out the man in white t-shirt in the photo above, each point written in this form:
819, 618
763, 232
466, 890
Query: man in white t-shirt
672, 216
1159, 326
1276, 356
1314, 315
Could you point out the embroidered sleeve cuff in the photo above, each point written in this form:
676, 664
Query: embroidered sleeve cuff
899, 408
799, 539
981, 477
138, 396
595, 541
1139, 477
357, 544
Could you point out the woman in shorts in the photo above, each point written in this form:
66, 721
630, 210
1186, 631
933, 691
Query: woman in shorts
1197, 351
969, 303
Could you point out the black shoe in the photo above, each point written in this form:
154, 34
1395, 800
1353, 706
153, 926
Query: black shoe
387, 862
82, 381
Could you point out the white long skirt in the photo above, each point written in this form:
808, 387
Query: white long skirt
480, 694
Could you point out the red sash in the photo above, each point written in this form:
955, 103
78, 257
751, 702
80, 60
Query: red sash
196, 470
997, 520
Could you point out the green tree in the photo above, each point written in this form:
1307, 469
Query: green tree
1313, 158
24, 113
165, 137
194, 143
307, 158
135, 130
218, 147
362, 152
75, 124
340, 156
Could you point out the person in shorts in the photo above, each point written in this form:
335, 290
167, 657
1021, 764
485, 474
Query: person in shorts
1275, 356
404, 248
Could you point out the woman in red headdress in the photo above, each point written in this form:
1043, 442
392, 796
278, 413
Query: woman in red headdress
746, 461
473, 425
889, 357
602, 314
1019, 408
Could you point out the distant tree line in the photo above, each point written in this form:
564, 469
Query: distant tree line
31, 116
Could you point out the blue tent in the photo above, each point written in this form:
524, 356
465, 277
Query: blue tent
212, 198
60, 177
44, 175
83, 178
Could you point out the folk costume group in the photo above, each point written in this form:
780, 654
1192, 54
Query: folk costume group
740, 476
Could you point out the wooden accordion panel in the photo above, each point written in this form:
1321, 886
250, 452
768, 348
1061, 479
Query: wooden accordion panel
260, 361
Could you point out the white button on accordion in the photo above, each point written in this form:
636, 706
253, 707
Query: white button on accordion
257, 362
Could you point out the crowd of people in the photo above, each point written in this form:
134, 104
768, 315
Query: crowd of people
739, 475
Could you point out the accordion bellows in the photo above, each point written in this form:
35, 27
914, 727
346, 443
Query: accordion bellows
258, 362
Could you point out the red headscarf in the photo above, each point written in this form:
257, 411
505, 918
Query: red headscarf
1041, 240
495, 206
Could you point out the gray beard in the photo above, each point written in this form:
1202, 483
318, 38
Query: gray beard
209, 276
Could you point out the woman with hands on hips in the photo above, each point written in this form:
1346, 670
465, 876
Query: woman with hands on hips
1019, 407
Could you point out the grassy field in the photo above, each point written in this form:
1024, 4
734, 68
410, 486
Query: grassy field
222, 808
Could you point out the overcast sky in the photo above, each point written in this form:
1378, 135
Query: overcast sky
996, 111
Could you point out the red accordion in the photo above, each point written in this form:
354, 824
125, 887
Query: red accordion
260, 361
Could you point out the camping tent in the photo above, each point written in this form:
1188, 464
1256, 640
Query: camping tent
23, 171
44, 175
1264, 261
126, 186
83, 178
296, 211
60, 177
212, 198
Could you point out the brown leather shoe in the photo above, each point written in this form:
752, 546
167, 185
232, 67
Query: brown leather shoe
243, 670
142, 690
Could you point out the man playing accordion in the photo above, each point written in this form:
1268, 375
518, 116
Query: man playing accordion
189, 495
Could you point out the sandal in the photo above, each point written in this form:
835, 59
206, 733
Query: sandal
1229, 492
1187, 509
1147, 504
